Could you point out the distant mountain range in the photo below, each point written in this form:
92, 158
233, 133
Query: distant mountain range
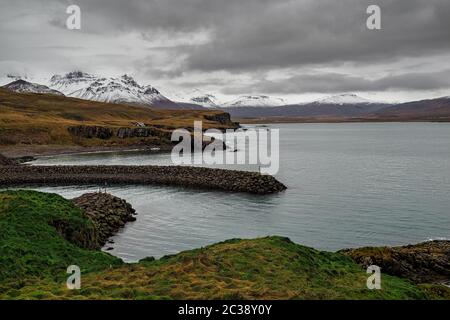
256, 101
126, 90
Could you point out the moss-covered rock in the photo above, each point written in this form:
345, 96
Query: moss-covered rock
421, 263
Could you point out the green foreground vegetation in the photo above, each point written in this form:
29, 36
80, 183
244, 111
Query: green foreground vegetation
42, 234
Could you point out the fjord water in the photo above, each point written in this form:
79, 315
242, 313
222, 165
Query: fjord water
349, 185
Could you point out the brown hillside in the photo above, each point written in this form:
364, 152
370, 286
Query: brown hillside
30, 121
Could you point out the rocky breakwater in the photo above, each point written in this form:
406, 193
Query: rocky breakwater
427, 262
180, 176
107, 212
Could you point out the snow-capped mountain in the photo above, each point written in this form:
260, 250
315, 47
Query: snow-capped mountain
23, 86
255, 101
343, 99
72, 81
123, 89
195, 96
8, 78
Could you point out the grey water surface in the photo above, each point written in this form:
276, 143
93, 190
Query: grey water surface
349, 185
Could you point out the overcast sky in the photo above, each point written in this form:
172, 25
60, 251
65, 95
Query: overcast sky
295, 49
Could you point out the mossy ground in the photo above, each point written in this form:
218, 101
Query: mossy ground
30, 245
34, 258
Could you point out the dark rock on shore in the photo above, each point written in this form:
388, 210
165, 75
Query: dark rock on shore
25, 159
107, 212
181, 176
223, 118
90, 132
4, 161
157, 135
427, 262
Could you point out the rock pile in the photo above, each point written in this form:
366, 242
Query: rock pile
4, 161
421, 263
107, 212
182, 176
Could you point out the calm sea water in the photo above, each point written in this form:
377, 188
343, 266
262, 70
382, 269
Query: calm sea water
349, 185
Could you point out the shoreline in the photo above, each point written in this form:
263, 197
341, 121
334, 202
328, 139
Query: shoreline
80, 225
285, 120
16, 152
36, 151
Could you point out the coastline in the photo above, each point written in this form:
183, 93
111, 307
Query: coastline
300, 120
263, 268
17, 152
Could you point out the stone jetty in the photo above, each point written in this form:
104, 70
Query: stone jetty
180, 176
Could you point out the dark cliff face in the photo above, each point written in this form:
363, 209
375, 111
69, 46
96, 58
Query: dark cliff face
124, 133
105, 133
89, 132
421, 263
223, 118
107, 212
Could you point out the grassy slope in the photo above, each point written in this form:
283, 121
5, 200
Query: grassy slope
39, 119
34, 257
30, 245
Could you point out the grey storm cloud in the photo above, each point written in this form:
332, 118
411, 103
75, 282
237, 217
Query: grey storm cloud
250, 37
335, 83
258, 34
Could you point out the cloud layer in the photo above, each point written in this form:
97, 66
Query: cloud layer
282, 47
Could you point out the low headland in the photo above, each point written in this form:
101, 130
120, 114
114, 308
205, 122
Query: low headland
44, 124
40, 124
42, 234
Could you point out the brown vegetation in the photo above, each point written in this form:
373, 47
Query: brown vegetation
39, 121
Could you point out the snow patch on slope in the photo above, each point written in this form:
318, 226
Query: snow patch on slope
343, 99
23, 86
123, 89
255, 101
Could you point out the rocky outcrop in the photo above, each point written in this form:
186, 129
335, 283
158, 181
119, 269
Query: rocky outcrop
182, 176
124, 133
90, 132
107, 212
105, 133
421, 263
222, 118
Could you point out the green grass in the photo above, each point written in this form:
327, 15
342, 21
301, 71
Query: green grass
31, 246
34, 258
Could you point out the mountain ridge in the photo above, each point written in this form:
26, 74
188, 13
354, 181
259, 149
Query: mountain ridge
22, 86
126, 90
